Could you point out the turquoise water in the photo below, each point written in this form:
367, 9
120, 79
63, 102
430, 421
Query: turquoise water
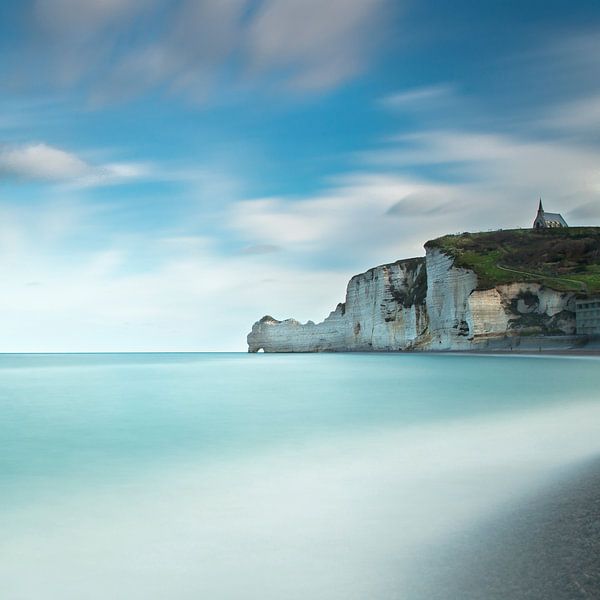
269, 476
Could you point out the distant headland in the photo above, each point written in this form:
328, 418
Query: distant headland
523, 289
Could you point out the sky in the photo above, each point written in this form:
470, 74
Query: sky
171, 171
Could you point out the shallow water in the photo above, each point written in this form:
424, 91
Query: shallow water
270, 476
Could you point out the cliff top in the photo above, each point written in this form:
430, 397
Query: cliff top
566, 259
409, 263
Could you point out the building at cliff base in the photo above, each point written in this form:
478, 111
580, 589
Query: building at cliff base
587, 316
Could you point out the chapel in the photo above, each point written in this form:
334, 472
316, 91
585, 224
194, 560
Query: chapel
547, 220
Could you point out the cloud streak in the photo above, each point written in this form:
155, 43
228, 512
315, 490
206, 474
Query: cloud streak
505, 169
350, 222
188, 47
420, 98
314, 44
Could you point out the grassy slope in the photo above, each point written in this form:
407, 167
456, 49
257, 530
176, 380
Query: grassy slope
557, 258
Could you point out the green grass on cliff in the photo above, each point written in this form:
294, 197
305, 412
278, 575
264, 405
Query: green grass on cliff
562, 259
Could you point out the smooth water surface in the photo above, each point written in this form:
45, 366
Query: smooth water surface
187, 476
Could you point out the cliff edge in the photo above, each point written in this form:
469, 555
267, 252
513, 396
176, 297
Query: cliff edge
495, 290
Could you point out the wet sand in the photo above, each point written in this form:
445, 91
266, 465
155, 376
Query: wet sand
547, 548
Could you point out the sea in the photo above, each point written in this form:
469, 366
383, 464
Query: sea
274, 476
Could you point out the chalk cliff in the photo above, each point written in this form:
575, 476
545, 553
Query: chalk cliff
384, 310
428, 303
463, 316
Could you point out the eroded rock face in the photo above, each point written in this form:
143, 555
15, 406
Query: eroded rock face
535, 309
271, 335
448, 293
423, 304
461, 317
384, 310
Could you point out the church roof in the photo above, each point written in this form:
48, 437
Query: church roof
554, 218
547, 219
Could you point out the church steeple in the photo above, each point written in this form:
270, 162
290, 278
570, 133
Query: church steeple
540, 207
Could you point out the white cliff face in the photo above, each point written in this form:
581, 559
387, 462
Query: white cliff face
423, 304
486, 313
272, 335
385, 306
384, 310
448, 293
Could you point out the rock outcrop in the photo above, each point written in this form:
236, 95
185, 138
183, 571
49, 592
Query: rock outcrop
426, 304
384, 310
462, 316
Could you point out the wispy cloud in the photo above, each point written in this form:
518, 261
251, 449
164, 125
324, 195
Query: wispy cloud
581, 116
349, 223
260, 249
311, 43
517, 165
188, 47
427, 97
588, 211
569, 60
423, 203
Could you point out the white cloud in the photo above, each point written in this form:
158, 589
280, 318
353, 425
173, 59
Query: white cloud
39, 161
42, 162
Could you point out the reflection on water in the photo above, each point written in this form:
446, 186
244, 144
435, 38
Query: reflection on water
265, 476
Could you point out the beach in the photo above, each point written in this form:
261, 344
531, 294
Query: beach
330, 476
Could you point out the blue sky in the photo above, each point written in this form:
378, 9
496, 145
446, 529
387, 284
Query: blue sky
170, 171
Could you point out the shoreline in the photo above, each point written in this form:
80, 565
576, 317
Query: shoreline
474, 352
543, 352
